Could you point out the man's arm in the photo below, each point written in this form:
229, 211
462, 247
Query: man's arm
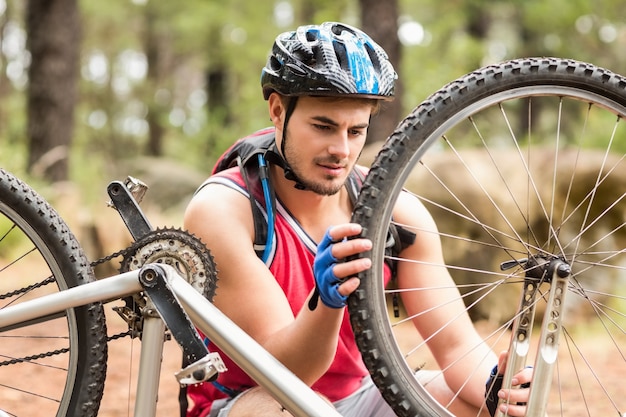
446, 310
248, 293
444, 307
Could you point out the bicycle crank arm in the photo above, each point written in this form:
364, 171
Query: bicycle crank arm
204, 366
123, 200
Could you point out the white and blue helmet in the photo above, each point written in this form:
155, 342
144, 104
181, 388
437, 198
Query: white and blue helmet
332, 59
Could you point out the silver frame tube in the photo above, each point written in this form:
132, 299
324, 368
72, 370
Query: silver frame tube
266, 370
103, 290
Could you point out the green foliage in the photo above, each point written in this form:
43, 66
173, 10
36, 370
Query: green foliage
198, 37
13, 131
466, 34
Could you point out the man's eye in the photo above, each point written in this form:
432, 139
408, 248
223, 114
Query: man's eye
322, 127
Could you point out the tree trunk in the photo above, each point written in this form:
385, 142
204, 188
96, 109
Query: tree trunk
5, 84
157, 48
53, 28
219, 104
379, 19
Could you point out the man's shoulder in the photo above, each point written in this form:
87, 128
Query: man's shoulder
222, 191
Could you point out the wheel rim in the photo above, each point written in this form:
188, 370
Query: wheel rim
63, 366
585, 219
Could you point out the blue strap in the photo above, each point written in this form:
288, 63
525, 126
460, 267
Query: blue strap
263, 174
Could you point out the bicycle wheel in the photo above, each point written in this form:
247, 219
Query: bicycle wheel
525, 161
56, 365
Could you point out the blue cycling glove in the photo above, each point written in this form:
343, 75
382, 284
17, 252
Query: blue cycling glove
492, 386
326, 283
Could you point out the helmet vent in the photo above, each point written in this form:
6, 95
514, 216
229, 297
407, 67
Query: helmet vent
342, 56
274, 64
331, 59
312, 35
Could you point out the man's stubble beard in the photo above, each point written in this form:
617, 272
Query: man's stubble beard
325, 189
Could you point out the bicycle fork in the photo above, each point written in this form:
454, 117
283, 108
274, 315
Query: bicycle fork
539, 269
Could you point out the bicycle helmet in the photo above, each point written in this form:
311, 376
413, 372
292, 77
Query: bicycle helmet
332, 59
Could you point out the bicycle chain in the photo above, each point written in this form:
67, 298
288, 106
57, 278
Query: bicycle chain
14, 361
122, 252
24, 290
128, 254
49, 280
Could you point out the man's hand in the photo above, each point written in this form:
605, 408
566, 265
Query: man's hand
513, 400
331, 285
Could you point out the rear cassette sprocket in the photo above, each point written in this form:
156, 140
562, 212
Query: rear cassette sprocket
179, 249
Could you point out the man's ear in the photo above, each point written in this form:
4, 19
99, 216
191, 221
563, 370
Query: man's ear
276, 109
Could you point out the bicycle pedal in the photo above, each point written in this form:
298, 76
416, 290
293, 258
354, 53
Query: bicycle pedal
205, 369
137, 189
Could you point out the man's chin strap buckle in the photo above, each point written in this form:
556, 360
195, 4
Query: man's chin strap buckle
290, 175
272, 155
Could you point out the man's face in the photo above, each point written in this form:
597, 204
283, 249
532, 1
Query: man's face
324, 138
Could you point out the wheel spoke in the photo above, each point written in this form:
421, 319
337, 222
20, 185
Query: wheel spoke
521, 166
45, 363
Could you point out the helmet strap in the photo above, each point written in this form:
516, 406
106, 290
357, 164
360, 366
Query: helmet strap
289, 174
291, 105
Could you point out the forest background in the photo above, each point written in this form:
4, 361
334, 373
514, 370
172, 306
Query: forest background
93, 91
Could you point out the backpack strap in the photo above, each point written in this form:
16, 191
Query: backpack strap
246, 149
260, 226
251, 155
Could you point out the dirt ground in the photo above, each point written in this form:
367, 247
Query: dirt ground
118, 400
115, 403
123, 365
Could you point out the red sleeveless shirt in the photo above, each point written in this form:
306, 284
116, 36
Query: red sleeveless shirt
291, 263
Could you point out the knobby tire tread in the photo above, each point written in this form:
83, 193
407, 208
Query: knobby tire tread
368, 318
90, 375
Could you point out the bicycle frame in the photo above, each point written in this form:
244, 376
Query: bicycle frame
266, 370
554, 222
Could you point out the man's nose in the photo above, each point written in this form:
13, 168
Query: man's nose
339, 146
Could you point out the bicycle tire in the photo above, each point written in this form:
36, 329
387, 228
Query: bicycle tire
38, 253
471, 109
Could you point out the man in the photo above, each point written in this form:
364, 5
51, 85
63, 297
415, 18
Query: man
322, 84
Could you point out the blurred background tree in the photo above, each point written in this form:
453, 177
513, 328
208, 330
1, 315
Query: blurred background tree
179, 81
53, 40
